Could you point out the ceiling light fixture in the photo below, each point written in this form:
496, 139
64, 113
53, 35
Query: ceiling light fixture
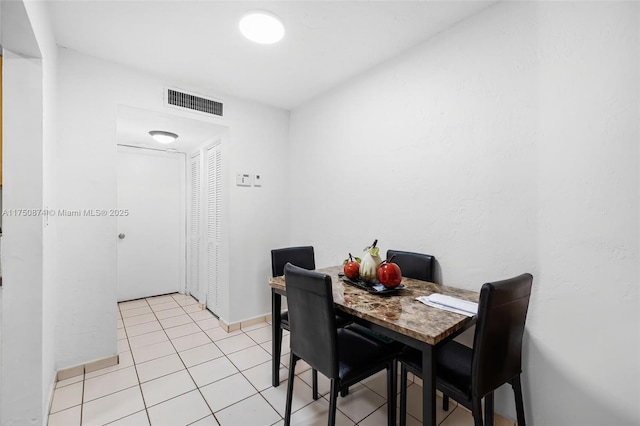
162, 136
261, 27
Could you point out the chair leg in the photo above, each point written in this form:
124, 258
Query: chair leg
276, 348
403, 395
445, 402
344, 392
314, 384
333, 402
292, 376
392, 394
517, 392
476, 411
488, 409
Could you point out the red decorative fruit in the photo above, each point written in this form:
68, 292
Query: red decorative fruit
389, 274
352, 268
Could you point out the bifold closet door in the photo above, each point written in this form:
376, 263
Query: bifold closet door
213, 216
194, 253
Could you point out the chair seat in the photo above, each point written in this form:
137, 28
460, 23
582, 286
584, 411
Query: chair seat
360, 356
453, 362
340, 321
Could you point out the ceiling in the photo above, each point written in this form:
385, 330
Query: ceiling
134, 124
197, 43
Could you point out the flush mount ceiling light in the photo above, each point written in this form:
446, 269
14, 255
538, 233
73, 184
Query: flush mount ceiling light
261, 27
162, 136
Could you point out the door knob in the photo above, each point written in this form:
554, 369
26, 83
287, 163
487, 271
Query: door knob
121, 236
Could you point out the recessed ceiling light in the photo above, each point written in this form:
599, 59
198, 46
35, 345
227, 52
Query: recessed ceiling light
162, 136
262, 27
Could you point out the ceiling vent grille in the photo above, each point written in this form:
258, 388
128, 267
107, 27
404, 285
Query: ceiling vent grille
193, 102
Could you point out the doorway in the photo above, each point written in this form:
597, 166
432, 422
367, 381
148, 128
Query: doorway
151, 222
203, 260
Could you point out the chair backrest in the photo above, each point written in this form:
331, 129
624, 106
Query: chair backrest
497, 345
312, 319
414, 265
299, 256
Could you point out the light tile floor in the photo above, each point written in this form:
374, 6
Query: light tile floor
178, 367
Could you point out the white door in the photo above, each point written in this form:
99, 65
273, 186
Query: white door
195, 225
151, 224
213, 216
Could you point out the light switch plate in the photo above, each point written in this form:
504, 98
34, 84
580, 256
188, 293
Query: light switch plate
243, 179
257, 180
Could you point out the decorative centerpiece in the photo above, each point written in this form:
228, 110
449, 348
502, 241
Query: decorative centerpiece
371, 273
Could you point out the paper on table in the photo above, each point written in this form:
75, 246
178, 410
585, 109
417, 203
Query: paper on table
449, 303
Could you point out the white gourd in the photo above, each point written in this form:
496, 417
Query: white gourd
369, 267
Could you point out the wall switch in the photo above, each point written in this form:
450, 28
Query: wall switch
257, 180
243, 179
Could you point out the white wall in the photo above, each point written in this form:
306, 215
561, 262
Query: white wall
39, 18
92, 90
588, 215
22, 355
28, 133
258, 215
508, 143
86, 177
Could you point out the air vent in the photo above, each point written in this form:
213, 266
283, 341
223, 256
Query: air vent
193, 102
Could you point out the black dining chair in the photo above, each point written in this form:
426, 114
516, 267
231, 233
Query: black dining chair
469, 374
303, 257
414, 265
343, 356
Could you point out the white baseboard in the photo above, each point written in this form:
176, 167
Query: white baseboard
88, 367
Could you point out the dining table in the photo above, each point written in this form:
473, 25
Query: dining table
396, 314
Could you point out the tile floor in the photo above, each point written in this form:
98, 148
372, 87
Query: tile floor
178, 367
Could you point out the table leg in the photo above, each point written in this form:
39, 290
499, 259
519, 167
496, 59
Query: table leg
276, 343
428, 385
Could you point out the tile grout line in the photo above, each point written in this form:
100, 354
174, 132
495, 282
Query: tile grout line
239, 372
136, 369
84, 375
450, 411
257, 390
139, 385
113, 393
187, 370
84, 379
144, 402
260, 392
135, 364
198, 387
306, 405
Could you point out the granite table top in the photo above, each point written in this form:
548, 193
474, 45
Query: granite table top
400, 312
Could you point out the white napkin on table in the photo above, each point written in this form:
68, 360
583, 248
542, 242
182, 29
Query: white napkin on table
449, 303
